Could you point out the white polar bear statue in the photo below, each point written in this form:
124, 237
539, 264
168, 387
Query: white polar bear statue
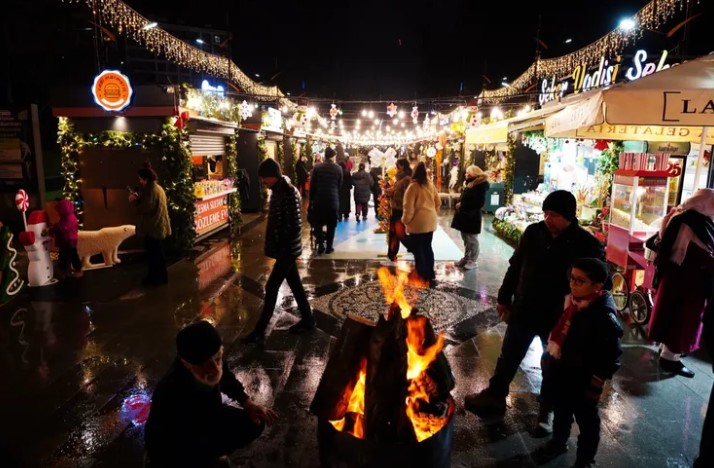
104, 241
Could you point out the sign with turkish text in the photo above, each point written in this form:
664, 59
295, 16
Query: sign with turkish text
211, 214
112, 91
688, 107
651, 133
674, 148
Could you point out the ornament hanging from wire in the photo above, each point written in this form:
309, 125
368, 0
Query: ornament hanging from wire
245, 109
334, 111
415, 114
391, 110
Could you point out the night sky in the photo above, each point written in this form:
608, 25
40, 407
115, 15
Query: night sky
402, 49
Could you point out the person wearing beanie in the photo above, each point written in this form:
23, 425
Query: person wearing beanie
283, 242
530, 299
153, 224
325, 183
188, 425
583, 352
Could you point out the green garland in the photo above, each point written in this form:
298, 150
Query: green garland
294, 150
280, 155
262, 154
234, 212
509, 173
607, 164
507, 231
309, 157
175, 169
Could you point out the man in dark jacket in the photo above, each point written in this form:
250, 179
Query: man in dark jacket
530, 299
325, 183
706, 444
188, 425
283, 242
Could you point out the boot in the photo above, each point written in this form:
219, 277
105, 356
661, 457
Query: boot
304, 325
485, 403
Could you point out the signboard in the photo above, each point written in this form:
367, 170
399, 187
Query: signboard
10, 132
674, 148
112, 91
487, 134
211, 214
650, 133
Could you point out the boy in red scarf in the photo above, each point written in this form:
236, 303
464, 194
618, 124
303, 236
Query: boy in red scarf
583, 352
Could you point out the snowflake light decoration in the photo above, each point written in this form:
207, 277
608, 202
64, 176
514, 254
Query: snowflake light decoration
415, 114
391, 110
245, 109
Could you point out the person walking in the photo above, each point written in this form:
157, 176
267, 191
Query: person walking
396, 200
583, 352
302, 176
283, 242
362, 182
530, 299
421, 202
345, 193
467, 218
189, 425
65, 233
153, 224
325, 183
376, 172
684, 279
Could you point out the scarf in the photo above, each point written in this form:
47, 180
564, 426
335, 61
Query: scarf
560, 330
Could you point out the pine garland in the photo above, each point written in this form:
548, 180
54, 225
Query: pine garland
234, 211
262, 154
175, 170
280, 156
607, 164
507, 231
309, 157
509, 173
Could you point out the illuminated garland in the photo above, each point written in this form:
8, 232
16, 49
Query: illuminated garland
234, 212
650, 17
510, 169
175, 170
262, 154
607, 164
309, 157
280, 156
210, 105
129, 23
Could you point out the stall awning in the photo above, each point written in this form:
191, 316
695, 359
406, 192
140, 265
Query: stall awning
534, 120
581, 112
487, 134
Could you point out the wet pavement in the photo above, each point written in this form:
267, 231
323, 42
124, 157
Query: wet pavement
79, 362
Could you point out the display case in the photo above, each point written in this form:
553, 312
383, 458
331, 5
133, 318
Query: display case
639, 202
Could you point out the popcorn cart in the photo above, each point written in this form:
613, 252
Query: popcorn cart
639, 202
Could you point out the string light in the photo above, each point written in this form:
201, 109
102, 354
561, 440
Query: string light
650, 17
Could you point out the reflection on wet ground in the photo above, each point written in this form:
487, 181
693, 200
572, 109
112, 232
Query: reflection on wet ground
79, 362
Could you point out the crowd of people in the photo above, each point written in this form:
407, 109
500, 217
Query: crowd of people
556, 289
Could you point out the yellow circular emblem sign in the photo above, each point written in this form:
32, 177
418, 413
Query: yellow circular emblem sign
112, 90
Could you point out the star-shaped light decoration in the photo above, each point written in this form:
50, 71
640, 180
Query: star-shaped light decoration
245, 109
415, 114
427, 122
391, 110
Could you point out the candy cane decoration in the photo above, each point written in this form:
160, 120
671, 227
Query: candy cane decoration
22, 202
17, 282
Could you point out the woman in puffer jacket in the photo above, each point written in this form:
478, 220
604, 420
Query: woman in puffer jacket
421, 202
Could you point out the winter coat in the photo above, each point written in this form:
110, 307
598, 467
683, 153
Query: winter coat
66, 230
362, 182
468, 216
591, 346
345, 191
184, 416
283, 231
153, 212
683, 291
301, 173
376, 173
421, 203
400, 187
325, 183
537, 277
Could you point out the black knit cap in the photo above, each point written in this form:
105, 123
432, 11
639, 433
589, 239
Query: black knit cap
329, 153
595, 269
269, 168
563, 203
197, 342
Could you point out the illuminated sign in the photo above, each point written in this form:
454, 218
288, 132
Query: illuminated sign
272, 120
207, 88
112, 91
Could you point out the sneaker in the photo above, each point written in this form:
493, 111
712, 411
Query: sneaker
469, 265
485, 403
544, 426
320, 249
254, 337
461, 262
304, 325
550, 451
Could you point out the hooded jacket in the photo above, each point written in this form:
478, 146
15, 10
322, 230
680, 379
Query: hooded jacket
283, 232
66, 230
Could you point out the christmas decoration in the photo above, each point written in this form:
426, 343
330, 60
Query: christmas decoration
507, 231
334, 112
602, 145
10, 282
509, 170
262, 154
234, 211
246, 110
607, 164
22, 202
391, 110
37, 242
415, 114
181, 120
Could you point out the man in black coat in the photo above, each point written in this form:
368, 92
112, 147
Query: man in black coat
531, 296
325, 183
188, 425
283, 242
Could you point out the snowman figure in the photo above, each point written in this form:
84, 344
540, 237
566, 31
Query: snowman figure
36, 241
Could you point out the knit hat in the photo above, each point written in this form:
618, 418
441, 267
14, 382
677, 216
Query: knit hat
329, 153
197, 342
563, 203
269, 168
596, 270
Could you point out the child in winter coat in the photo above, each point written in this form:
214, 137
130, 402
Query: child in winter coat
583, 352
65, 233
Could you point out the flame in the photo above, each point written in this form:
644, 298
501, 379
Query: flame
420, 384
355, 405
394, 288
